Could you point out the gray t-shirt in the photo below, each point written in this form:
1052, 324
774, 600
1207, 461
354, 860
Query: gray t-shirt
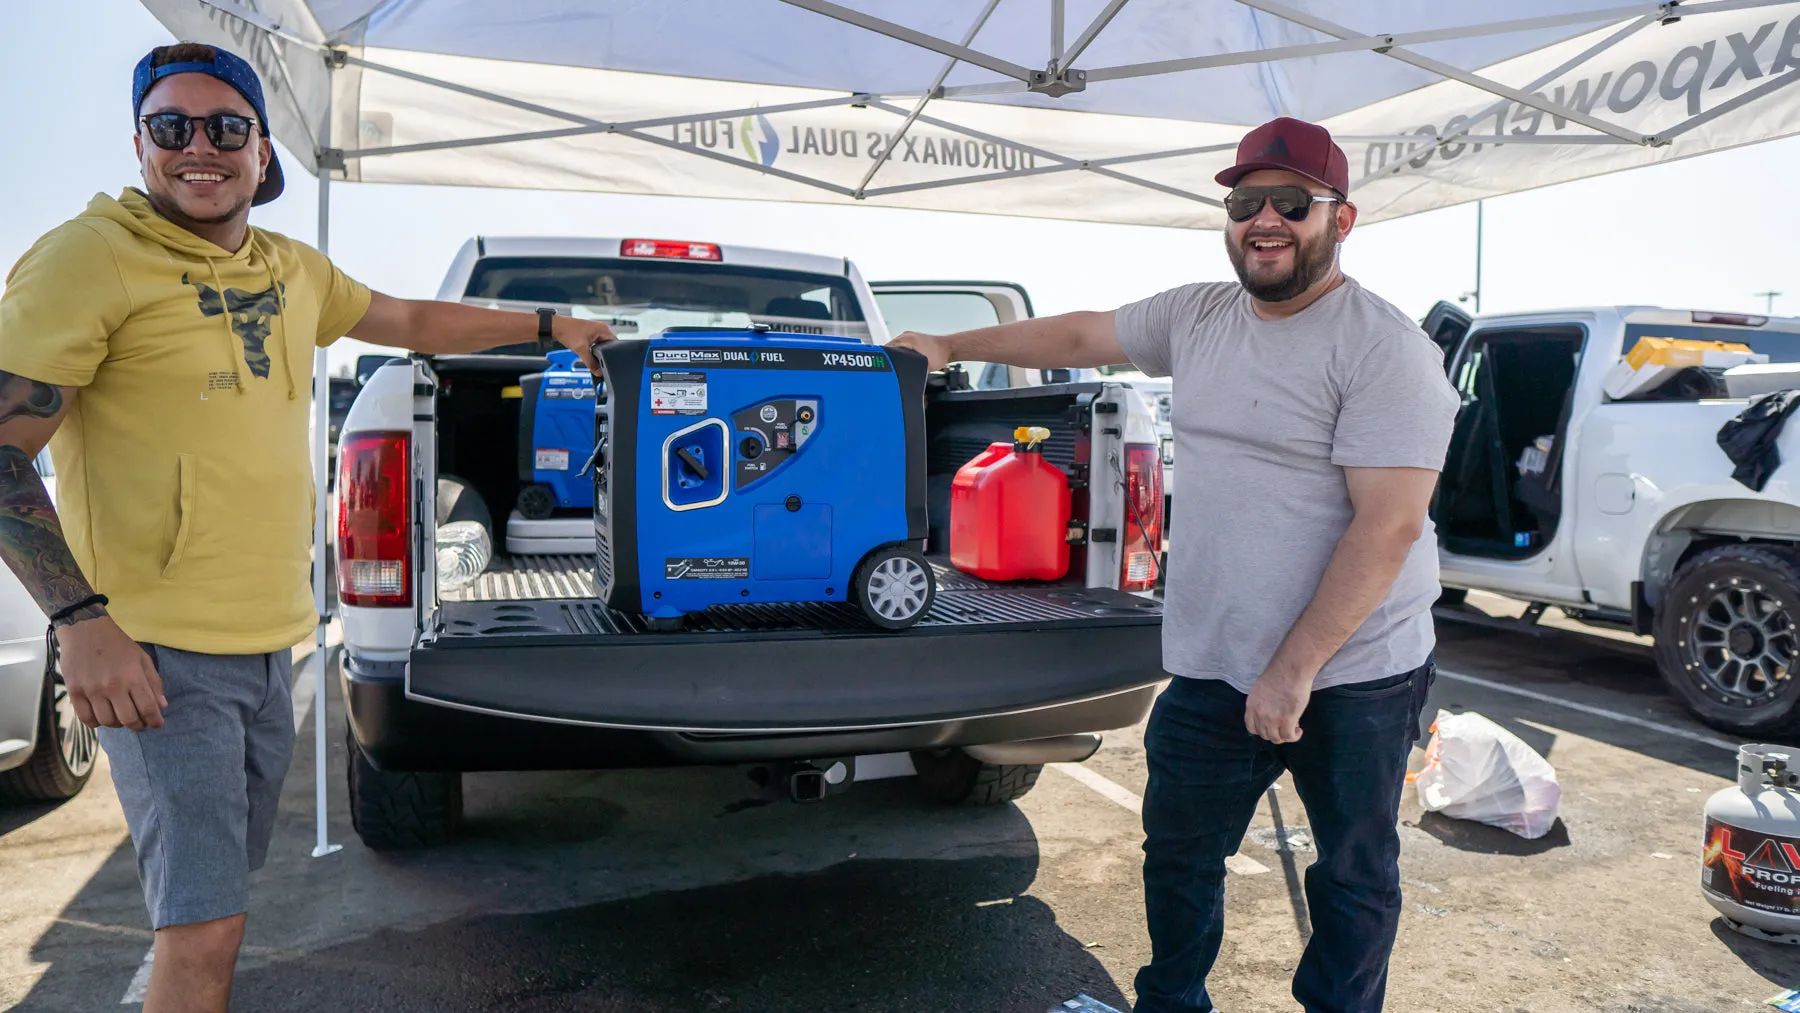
1267, 416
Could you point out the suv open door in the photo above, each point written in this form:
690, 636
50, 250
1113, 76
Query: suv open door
946, 307
1446, 325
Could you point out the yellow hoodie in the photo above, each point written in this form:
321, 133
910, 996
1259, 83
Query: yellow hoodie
184, 481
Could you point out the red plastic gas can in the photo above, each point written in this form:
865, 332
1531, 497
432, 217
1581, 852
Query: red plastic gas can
1009, 512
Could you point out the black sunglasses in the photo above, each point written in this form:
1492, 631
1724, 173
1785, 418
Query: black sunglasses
1290, 202
174, 131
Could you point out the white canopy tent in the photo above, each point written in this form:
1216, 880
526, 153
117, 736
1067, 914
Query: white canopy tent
1099, 110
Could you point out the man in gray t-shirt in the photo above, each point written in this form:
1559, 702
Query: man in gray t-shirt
1311, 419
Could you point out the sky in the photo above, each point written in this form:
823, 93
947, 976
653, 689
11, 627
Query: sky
1707, 232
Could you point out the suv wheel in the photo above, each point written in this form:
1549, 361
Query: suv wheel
64, 757
395, 810
955, 777
1726, 640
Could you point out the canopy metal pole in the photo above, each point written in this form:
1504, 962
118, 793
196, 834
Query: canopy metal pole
1480, 206
936, 83
321, 508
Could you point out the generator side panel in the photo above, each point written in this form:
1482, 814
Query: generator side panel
614, 475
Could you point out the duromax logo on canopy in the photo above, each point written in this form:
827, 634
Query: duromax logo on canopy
761, 142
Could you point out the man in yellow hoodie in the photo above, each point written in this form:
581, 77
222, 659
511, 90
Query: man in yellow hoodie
162, 347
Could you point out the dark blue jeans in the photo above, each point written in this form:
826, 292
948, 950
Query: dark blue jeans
1207, 773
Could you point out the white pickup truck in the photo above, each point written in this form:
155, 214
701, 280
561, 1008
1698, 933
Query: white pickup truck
526, 668
1625, 513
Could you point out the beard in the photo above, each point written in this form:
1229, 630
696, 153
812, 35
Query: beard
171, 210
1313, 258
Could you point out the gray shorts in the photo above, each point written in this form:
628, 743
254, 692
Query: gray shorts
200, 793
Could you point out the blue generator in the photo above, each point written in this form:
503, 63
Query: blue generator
747, 467
556, 437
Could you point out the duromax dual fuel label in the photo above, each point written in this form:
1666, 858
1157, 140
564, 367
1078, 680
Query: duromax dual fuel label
854, 358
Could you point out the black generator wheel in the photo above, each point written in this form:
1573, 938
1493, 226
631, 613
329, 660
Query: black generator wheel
536, 502
894, 586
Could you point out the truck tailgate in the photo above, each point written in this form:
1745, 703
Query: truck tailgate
529, 640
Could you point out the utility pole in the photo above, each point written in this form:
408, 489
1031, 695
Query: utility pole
1770, 296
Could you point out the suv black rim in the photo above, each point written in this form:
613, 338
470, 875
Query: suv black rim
77, 741
1740, 643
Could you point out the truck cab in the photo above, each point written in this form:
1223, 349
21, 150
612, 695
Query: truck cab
526, 668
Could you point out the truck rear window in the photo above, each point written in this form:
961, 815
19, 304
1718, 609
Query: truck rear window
641, 298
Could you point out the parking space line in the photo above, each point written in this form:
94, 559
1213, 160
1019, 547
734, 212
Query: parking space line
1125, 798
1103, 786
1599, 712
140, 982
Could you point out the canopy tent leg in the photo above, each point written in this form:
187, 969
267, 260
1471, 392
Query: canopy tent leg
322, 845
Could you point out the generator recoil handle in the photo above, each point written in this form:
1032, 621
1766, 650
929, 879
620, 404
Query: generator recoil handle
692, 460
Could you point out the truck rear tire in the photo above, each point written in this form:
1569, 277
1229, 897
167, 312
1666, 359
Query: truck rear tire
396, 810
1726, 641
955, 777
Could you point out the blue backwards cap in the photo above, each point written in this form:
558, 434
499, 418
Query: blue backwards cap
229, 68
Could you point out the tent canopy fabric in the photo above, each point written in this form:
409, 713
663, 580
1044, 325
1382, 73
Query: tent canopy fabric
1100, 110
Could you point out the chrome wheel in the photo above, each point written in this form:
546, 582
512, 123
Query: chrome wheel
78, 743
899, 588
1740, 641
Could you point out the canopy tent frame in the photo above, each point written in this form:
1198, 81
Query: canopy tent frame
1058, 77
1061, 74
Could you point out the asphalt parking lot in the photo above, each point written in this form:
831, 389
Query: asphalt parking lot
652, 891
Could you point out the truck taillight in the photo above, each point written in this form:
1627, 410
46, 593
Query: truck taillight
374, 536
1141, 546
669, 250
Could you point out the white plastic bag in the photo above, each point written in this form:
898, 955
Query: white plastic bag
1477, 770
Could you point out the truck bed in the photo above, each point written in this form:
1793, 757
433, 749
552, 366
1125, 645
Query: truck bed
529, 639
534, 596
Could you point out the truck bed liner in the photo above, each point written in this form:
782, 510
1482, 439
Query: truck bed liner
535, 596
982, 650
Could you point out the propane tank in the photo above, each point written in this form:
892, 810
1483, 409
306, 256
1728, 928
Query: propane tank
1750, 868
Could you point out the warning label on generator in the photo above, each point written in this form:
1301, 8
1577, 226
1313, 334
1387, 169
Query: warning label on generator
678, 393
1760, 871
706, 568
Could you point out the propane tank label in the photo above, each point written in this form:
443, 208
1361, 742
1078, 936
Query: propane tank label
1755, 870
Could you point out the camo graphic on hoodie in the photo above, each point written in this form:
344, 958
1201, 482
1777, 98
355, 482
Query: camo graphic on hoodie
250, 315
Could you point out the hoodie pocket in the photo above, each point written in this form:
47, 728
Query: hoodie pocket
184, 512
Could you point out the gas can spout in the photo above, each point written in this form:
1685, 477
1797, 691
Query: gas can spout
1028, 437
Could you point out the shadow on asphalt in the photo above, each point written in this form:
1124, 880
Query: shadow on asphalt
1779, 964
1466, 835
14, 815
102, 930
861, 936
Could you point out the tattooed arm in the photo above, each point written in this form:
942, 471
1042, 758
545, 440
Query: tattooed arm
111, 679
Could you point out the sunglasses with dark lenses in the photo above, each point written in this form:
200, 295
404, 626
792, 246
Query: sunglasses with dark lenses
1290, 202
174, 131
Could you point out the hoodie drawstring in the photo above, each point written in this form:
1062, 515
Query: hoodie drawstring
231, 340
287, 364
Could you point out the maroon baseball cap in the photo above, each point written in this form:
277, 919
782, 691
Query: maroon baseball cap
1294, 145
